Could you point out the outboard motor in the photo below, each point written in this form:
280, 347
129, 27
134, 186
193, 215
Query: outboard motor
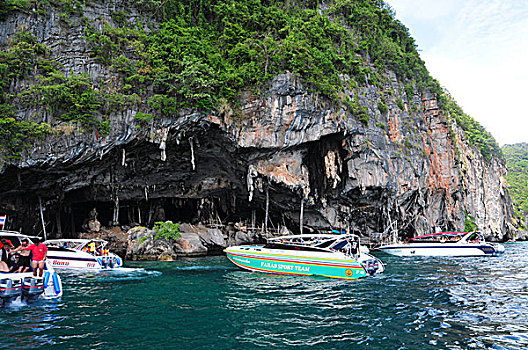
105, 262
10, 289
109, 262
32, 288
371, 266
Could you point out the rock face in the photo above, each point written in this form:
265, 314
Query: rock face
196, 240
408, 168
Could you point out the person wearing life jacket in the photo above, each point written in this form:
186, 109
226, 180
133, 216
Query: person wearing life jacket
91, 248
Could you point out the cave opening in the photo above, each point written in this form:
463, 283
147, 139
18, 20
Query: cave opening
74, 217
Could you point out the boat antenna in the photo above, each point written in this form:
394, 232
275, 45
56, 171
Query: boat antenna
301, 214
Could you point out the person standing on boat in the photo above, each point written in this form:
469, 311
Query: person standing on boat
39, 251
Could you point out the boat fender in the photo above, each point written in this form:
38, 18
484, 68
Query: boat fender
100, 261
46, 279
118, 261
56, 284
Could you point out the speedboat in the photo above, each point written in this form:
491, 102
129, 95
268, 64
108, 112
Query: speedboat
89, 254
445, 244
24, 286
329, 255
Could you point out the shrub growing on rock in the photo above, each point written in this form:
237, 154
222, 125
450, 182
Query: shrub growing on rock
167, 230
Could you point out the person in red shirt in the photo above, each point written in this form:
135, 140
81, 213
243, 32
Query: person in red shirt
39, 251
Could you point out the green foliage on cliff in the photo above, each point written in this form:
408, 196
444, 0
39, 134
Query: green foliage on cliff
8, 6
382, 107
23, 57
70, 98
517, 178
190, 54
66, 7
17, 135
205, 52
383, 39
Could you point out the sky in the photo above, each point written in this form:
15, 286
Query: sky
478, 51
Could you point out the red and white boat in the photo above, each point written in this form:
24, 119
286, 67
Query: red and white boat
445, 244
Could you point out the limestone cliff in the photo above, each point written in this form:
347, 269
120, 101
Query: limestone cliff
406, 167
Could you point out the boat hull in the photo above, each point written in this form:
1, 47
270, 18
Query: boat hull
287, 262
440, 249
73, 260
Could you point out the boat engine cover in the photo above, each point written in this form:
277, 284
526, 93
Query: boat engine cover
10, 288
33, 286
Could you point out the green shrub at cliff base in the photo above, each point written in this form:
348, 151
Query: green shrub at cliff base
167, 230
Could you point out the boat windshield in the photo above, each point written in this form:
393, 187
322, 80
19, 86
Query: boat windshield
347, 244
474, 237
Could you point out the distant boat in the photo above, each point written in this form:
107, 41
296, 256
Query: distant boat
329, 255
445, 244
91, 254
24, 286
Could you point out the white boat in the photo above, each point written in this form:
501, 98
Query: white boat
23, 285
89, 254
329, 255
445, 244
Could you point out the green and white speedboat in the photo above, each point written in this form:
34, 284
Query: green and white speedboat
329, 255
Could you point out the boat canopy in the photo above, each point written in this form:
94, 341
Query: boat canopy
16, 237
449, 237
78, 244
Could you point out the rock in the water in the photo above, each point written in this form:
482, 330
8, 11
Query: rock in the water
190, 244
142, 245
195, 240
214, 240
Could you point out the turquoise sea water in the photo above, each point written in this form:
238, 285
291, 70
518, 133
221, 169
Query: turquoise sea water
207, 303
